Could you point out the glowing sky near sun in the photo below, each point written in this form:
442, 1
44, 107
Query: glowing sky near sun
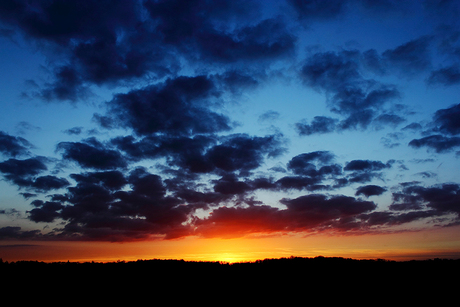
229, 130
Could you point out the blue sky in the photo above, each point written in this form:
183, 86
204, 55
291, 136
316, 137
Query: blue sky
141, 120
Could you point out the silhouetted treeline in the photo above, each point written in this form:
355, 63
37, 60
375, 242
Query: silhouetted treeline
286, 274
313, 265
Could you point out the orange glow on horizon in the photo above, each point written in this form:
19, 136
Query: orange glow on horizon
440, 243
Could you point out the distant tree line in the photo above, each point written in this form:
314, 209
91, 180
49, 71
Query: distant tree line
286, 275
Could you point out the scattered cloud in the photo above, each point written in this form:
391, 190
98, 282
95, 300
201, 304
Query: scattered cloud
358, 100
437, 142
178, 107
92, 154
370, 190
171, 163
12, 146
446, 76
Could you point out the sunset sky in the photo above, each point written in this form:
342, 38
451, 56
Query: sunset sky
229, 130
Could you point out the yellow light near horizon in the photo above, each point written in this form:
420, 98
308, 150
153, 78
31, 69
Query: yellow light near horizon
435, 243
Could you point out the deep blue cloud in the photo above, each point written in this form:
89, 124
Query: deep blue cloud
244, 153
365, 165
23, 173
448, 120
357, 99
14, 168
370, 190
177, 107
445, 76
319, 125
428, 201
107, 42
204, 154
411, 57
437, 142
13, 146
92, 154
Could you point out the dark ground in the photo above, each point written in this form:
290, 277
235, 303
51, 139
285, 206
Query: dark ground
320, 277
318, 266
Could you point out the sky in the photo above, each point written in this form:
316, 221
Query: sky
229, 130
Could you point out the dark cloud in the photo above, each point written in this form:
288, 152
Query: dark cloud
330, 71
108, 42
23, 173
229, 184
204, 154
443, 199
357, 120
45, 211
28, 195
370, 190
366, 165
318, 209
319, 125
445, 121
316, 171
305, 213
268, 39
309, 183
386, 218
236, 81
177, 107
365, 170
304, 164
310, 170
357, 99
437, 142
112, 180
97, 37
60, 21
244, 153
74, 131
15, 232
199, 199
92, 154
47, 183
412, 126
191, 25
176, 123
182, 151
428, 201
101, 207
411, 57
445, 76
448, 120
13, 146
67, 85
94, 212
18, 169
361, 100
